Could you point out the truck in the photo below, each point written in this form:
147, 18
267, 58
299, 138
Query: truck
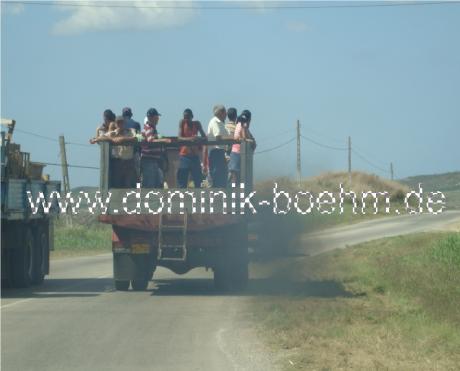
192, 231
26, 237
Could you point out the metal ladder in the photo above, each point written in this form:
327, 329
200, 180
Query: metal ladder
172, 251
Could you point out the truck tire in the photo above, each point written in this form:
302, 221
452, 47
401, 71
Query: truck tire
121, 285
139, 285
23, 258
240, 271
231, 268
221, 278
41, 252
231, 271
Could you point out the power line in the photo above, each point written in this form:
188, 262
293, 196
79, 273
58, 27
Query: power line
274, 135
36, 135
319, 134
80, 144
51, 139
242, 5
276, 147
369, 162
76, 166
323, 145
365, 153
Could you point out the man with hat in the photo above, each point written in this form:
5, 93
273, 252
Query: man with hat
152, 159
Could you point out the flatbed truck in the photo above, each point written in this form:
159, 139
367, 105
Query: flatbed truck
177, 238
26, 238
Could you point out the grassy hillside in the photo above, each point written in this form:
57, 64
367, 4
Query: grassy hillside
435, 182
447, 183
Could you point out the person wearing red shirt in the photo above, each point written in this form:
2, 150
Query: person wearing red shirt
189, 156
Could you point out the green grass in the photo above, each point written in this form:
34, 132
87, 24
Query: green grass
452, 199
81, 239
388, 304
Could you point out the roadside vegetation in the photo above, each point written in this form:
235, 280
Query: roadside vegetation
390, 304
86, 236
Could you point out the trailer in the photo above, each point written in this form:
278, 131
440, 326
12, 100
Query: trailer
197, 230
26, 237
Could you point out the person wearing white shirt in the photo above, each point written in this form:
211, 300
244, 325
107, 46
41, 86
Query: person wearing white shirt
217, 163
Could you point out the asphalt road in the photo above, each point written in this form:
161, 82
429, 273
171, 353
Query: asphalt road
76, 321
341, 237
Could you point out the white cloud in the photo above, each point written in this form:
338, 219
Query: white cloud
296, 26
141, 15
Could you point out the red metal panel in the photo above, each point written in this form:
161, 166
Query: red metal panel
199, 222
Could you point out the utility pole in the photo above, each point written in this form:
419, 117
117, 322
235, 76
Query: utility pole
299, 165
391, 171
65, 176
349, 160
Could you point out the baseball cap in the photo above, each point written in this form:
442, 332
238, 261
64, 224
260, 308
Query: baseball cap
152, 112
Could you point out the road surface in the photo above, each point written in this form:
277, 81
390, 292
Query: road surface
341, 237
76, 321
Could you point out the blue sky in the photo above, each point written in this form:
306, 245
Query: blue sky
387, 76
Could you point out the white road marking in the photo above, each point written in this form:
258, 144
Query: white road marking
64, 289
16, 302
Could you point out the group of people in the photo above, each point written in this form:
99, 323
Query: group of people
148, 164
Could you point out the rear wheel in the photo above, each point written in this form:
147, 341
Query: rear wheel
231, 268
40, 254
121, 285
23, 258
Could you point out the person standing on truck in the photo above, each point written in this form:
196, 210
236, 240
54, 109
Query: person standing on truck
231, 124
127, 113
108, 117
241, 133
122, 169
189, 156
217, 163
153, 160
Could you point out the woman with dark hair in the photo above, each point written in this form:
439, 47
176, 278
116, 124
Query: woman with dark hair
242, 133
108, 117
